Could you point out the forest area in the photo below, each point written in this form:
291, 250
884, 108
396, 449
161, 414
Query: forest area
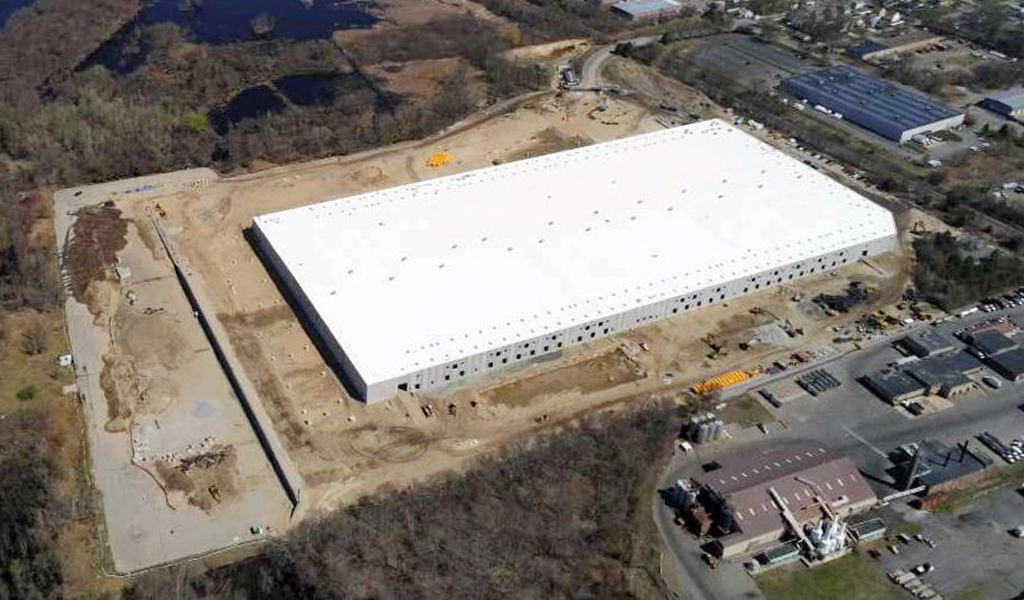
562, 516
29, 565
950, 277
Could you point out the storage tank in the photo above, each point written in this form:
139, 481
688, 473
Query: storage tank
715, 429
702, 432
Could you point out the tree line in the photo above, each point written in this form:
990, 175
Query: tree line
950, 276
29, 565
985, 75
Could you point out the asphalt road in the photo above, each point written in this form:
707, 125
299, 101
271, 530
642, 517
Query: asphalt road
684, 562
590, 70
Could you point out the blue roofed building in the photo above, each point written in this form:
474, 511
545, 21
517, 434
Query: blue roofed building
865, 48
874, 104
1009, 103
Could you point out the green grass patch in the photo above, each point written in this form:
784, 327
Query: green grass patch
955, 501
745, 411
34, 377
852, 577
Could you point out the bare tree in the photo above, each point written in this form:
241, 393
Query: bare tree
34, 339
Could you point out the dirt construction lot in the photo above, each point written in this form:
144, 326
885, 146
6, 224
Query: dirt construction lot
343, 449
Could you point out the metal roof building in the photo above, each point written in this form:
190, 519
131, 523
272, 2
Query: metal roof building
797, 474
874, 104
927, 342
1009, 103
893, 386
991, 343
939, 380
941, 463
428, 284
646, 9
864, 48
1009, 364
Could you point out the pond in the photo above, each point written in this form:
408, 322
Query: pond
250, 103
315, 89
7, 8
223, 21
227, 21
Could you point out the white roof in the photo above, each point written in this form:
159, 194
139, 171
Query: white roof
427, 273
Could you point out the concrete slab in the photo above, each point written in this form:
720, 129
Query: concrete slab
146, 458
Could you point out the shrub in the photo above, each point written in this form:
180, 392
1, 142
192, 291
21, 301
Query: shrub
27, 393
197, 122
33, 339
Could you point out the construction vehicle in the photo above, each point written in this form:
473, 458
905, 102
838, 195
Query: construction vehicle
717, 349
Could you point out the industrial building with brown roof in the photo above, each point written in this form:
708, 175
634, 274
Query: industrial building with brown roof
801, 476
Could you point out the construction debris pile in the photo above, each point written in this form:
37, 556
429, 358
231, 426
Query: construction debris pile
856, 293
210, 458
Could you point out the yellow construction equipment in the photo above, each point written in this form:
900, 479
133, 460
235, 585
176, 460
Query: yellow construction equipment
438, 159
723, 380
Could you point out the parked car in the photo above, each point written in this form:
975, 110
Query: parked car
992, 382
710, 560
1017, 532
922, 568
915, 408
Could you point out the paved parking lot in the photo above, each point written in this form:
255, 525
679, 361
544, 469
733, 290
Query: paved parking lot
975, 556
750, 61
856, 422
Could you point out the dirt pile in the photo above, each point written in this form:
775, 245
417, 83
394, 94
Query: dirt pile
98, 234
605, 371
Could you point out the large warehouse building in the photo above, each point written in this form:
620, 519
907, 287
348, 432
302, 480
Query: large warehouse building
427, 284
876, 105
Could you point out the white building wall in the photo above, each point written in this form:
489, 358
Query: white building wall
939, 125
447, 374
